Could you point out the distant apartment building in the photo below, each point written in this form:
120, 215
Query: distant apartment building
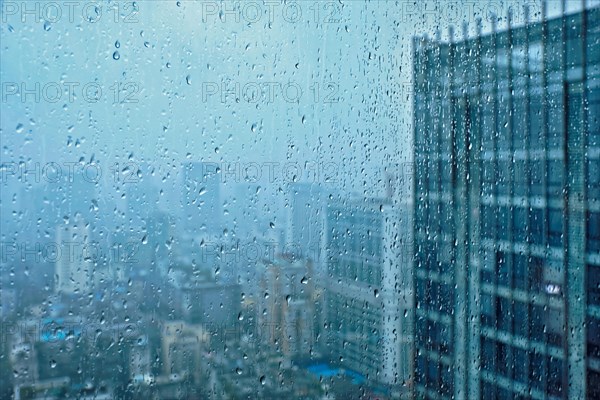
146, 225
306, 219
507, 212
8, 297
201, 198
368, 293
181, 349
142, 198
214, 305
286, 306
74, 257
140, 362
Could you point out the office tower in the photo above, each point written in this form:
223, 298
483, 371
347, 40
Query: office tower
142, 200
210, 303
76, 195
146, 246
74, 257
8, 296
201, 198
306, 219
41, 212
507, 212
398, 182
142, 207
181, 348
140, 362
368, 290
160, 235
245, 208
286, 306
49, 203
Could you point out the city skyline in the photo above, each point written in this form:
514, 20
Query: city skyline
318, 200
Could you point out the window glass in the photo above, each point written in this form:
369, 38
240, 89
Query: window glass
317, 199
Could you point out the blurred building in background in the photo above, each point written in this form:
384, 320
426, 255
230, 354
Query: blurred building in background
368, 292
202, 211
286, 307
306, 219
507, 212
74, 257
210, 303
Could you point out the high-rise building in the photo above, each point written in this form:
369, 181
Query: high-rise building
245, 208
210, 303
74, 257
286, 306
142, 201
76, 195
181, 346
202, 211
306, 219
507, 212
368, 294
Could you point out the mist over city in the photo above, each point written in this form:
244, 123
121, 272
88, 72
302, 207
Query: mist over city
299, 199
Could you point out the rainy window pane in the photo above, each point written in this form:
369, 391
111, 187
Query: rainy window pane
215, 199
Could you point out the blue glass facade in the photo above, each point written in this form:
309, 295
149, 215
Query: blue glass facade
506, 212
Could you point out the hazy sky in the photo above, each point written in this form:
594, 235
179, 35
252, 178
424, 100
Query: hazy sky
353, 71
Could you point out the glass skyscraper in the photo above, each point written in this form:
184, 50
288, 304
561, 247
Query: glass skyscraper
507, 212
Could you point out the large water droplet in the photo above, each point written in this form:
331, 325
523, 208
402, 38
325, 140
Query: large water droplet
116, 55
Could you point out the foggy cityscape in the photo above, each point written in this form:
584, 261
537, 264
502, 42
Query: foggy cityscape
303, 200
